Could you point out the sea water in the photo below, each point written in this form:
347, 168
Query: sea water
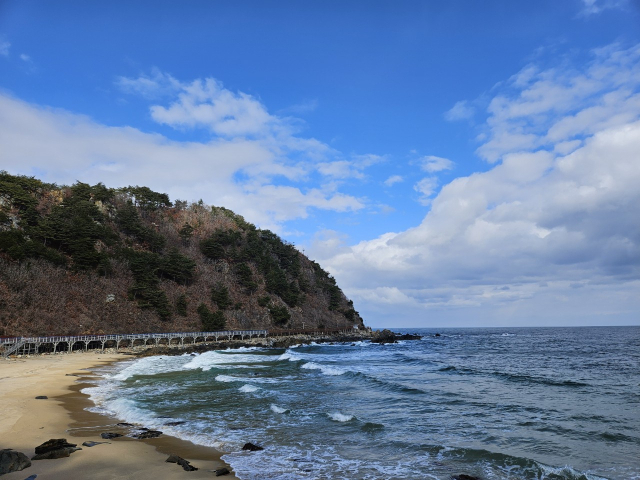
515, 403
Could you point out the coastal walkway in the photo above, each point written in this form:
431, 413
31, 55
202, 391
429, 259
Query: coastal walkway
65, 343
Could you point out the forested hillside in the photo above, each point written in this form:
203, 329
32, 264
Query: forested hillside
90, 259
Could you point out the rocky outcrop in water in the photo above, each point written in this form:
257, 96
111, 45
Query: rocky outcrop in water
110, 435
54, 448
250, 447
12, 461
387, 336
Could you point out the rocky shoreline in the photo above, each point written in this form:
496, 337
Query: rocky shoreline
380, 337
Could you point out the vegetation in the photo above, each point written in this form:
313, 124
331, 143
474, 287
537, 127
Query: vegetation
65, 250
279, 315
211, 321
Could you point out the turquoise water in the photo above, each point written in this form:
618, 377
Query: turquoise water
538, 403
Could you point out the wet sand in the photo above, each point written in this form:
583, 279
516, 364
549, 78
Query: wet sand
26, 423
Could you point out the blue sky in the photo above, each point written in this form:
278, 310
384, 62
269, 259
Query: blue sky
451, 163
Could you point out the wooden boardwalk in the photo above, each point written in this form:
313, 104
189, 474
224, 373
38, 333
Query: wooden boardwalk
65, 343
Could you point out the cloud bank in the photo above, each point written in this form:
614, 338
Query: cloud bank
553, 227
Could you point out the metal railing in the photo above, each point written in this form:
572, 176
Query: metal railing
11, 345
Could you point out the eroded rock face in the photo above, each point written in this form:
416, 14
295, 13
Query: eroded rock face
54, 448
12, 461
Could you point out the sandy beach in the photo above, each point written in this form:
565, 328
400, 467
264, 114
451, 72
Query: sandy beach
27, 422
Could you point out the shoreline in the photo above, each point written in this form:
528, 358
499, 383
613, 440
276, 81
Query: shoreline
28, 422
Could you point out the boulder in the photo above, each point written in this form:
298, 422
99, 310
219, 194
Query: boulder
385, 336
12, 461
89, 443
54, 448
173, 424
147, 434
252, 448
125, 424
42, 397
222, 471
110, 435
182, 462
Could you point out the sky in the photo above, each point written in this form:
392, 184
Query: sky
452, 164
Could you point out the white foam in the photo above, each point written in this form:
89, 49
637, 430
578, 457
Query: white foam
148, 366
291, 356
325, 369
340, 417
249, 388
231, 378
209, 360
276, 409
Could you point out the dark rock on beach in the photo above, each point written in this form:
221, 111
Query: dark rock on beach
222, 471
92, 444
147, 434
125, 424
173, 424
252, 448
110, 435
54, 448
182, 462
12, 461
42, 397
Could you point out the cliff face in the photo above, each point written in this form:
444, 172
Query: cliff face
89, 259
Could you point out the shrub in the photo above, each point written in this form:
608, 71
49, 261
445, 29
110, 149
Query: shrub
220, 296
181, 305
211, 321
279, 315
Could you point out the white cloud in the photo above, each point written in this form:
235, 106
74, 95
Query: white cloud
63, 147
426, 187
4, 48
301, 108
591, 7
559, 209
393, 179
433, 164
205, 103
25, 58
462, 110
352, 168
541, 108
156, 85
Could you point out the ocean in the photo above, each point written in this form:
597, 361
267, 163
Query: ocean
494, 403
